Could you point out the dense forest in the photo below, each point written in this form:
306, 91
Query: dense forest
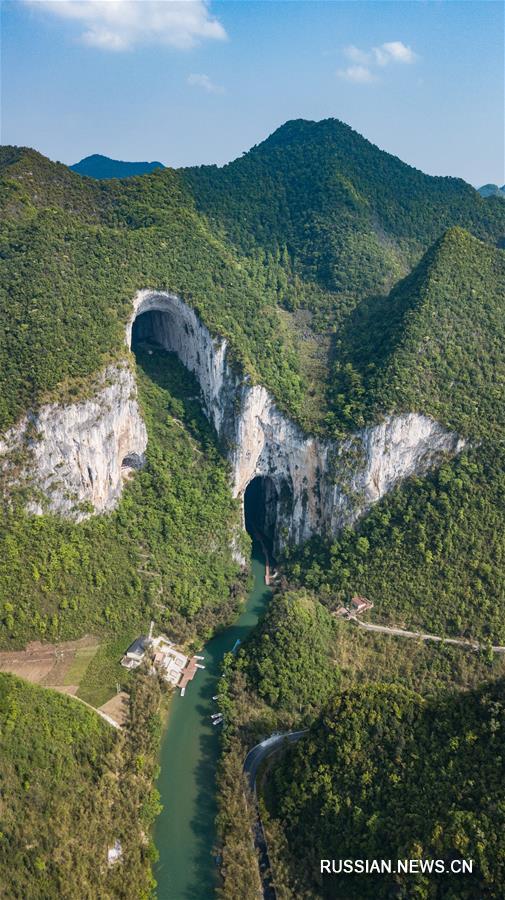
352, 286
350, 216
163, 554
293, 667
290, 658
71, 788
384, 774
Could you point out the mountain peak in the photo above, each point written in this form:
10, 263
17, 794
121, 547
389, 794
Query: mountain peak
98, 166
491, 190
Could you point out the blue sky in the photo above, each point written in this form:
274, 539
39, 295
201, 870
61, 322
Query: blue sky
196, 82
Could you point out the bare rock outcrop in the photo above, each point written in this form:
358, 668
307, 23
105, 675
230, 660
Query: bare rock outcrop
80, 453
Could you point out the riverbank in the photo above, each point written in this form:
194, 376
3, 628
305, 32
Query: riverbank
185, 831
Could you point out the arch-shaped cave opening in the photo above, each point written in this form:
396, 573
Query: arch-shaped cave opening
260, 510
151, 327
133, 461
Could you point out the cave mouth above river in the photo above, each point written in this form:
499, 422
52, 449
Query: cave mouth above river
260, 510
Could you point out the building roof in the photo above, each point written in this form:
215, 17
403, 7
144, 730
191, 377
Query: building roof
139, 645
188, 673
361, 603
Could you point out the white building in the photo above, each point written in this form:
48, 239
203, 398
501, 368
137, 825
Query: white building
171, 661
135, 653
175, 667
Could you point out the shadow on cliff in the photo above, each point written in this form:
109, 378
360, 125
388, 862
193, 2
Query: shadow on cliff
164, 369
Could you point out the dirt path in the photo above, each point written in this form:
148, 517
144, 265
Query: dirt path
402, 632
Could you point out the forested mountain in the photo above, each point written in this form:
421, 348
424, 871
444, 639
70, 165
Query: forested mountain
97, 166
73, 252
315, 222
255, 247
386, 775
434, 344
351, 216
491, 190
352, 287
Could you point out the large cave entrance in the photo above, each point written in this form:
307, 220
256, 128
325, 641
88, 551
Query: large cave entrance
260, 510
150, 328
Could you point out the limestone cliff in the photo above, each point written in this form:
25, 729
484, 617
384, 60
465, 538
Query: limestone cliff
81, 452
320, 485
77, 456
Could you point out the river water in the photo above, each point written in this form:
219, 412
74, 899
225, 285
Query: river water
185, 831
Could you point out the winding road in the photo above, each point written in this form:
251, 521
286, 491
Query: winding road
252, 762
263, 750
401, 632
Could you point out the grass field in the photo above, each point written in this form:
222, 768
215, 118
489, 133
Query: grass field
104, 671
75, 672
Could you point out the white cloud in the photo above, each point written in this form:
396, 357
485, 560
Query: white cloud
122, 24
365, 61
394, 51
359, 74
204, 82
358, 56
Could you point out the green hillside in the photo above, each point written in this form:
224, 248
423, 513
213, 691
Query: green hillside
434, 345
71, 787
430, 554
290, 658
351, 216
73, 252
286, 252
385, 774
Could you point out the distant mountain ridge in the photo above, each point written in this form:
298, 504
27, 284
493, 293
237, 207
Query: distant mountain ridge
491, 190
98, 166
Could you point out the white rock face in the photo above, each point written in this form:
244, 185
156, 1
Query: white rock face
316, 486
320, 485
75, 453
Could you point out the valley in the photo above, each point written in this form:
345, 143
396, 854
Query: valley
300, 352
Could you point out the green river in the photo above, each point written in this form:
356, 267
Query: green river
185, 830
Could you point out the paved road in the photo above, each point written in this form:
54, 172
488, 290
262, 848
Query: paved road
262, 751
252, 763
401, 632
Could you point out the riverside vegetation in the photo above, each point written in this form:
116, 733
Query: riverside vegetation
71, 787
303, 668
351, 286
